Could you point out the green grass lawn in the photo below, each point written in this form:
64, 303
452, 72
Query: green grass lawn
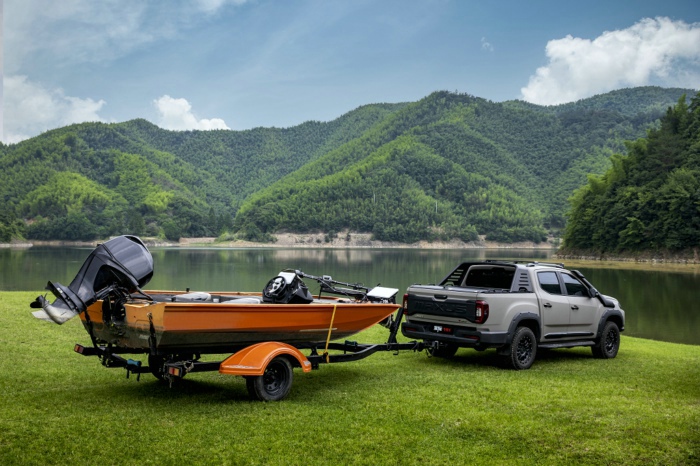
57, 407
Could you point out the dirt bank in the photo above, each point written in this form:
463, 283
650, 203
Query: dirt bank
313, 240
359, 240
686, 256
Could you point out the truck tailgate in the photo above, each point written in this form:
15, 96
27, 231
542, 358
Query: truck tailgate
444, 302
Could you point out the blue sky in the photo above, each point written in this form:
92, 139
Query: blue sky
239, 64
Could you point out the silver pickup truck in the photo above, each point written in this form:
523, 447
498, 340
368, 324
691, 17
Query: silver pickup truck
513, 307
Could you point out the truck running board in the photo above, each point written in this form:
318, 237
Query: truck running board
566, 344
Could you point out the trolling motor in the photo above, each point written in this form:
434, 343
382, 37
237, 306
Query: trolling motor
358, 291
122, 263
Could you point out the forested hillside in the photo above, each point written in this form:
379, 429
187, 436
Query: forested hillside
648, 200
448, 166
454, 165
94, 180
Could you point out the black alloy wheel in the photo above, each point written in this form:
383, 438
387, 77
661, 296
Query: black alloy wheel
523, 349
609, 343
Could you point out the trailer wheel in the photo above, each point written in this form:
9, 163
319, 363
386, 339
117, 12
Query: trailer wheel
156, 364
275, 383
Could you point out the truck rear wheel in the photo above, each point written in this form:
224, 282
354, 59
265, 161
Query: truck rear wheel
275, 383
523, 349
609, 342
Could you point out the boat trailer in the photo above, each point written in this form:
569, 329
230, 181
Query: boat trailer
266, 366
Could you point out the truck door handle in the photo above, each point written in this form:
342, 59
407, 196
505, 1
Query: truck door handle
440, 296
547, 305
574, 307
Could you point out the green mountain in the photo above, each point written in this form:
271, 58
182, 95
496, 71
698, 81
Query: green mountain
649, 199
136, 178
448, 166
454, 165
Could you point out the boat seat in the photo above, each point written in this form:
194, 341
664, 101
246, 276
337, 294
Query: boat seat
196, 296
243, 300
332, 301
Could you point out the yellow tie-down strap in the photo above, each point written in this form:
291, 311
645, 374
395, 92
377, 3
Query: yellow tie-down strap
328, 339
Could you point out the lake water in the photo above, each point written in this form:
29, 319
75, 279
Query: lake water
660, 304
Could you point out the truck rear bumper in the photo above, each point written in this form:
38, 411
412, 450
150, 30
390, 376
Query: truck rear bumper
456, 335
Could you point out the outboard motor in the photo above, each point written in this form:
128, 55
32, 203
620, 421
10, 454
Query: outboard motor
286, 288
122, 263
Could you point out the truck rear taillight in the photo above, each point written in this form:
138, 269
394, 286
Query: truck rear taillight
482, 312
405, 303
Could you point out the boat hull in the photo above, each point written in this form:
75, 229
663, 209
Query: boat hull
213, 327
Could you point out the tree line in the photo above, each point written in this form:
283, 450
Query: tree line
649, 199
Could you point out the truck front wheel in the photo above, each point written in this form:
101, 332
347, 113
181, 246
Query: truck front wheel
523, 349
609, 342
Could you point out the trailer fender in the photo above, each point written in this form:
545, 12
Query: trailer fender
253, 360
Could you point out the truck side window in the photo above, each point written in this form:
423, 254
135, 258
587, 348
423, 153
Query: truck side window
549, 282
573, 286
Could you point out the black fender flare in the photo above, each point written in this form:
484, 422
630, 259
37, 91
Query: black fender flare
515, 323
606, 317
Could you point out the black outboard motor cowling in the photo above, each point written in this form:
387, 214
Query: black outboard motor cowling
123, 262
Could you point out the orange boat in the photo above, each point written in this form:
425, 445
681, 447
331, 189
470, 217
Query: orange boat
264, 331
176, 322
107, 295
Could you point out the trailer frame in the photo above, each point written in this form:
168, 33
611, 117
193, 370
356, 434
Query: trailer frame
266, 366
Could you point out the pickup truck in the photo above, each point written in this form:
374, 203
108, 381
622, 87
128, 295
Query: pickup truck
515, 307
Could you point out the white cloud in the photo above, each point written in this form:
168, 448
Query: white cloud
176, 114
656, 50
31, 108
486, 45
87, 31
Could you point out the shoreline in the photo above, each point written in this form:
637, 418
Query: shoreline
351, 240
359, 241
303, 241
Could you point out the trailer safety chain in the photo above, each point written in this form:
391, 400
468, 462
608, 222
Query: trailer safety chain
328, 339
434, 345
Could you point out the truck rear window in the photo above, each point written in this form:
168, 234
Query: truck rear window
489, 277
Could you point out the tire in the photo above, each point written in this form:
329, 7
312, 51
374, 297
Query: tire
523, 349
155, 363
275, 383
609, 343
446, 350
